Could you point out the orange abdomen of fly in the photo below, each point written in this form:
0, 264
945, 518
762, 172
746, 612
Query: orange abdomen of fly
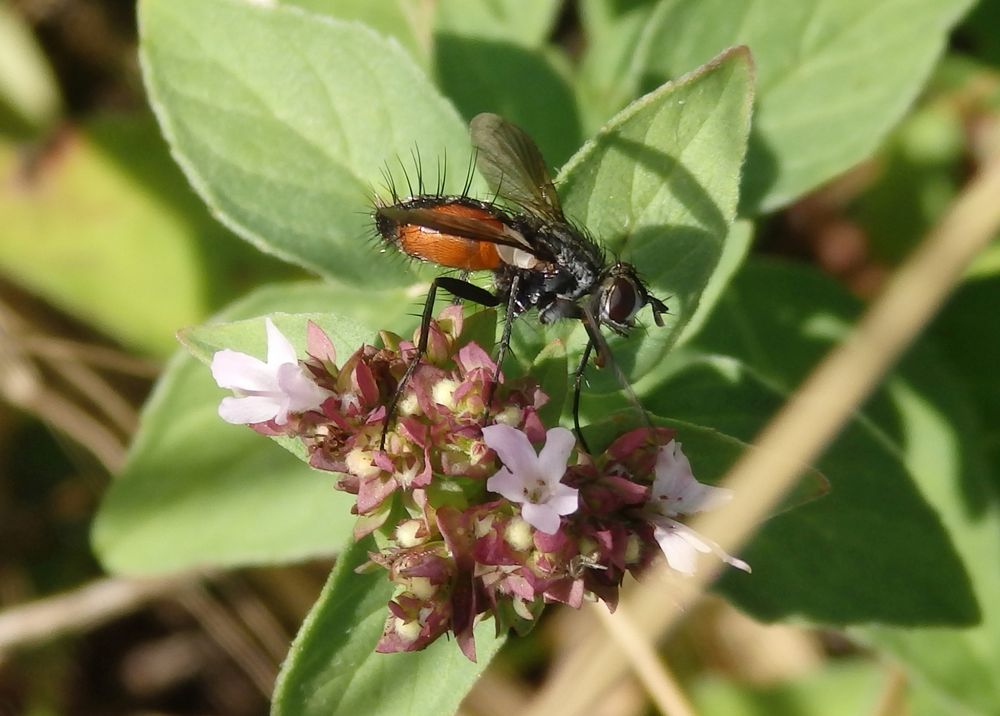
449, 249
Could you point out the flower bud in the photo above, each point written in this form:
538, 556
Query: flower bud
519, 535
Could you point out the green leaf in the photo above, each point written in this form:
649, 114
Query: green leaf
609, 75
909, 498
198, 491
834, 76
527, 86
403, 20
940, 446
865, 575
105, 229
282, 121
479, 327
248, 336
965, 330
659, 186
516, 21
550, 370
979, 31
734, 253
332, 668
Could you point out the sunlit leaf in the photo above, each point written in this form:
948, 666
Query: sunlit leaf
609, 75
834, 75
514, 21
659, 186
403, 20
282, 121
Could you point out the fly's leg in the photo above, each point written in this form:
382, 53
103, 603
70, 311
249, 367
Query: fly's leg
596, 342
456, 287
577, 386
504, 341
464, 277
563, 308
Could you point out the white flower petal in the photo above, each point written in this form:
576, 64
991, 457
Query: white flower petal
673, 470
239, 371
302, 392
681, 555
701, 498
514, 450
564, 500
670, 535
279, 348
507, 484
530, 479
542, 517
736, 562
281, 417
675, 489
559, 443
249, 410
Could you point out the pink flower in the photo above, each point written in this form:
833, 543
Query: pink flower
676, 492
533, 480
265, 391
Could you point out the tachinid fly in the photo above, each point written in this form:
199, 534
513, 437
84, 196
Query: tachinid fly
539, 259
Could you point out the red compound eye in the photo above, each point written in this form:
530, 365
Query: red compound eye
621, 301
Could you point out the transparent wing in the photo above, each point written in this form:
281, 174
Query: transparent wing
512, 165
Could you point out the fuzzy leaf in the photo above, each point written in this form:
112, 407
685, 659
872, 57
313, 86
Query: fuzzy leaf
834, 76
609, 75
282, 121
515, 21
659, 186
406, 22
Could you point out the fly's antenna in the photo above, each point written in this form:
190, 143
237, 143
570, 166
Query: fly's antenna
470, 172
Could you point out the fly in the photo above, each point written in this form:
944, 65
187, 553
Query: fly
539, 259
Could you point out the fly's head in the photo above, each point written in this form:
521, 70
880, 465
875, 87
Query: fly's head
620, 295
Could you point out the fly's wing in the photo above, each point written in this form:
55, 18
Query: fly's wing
494, 232
512, 165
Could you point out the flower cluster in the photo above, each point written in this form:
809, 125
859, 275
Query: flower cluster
469, 518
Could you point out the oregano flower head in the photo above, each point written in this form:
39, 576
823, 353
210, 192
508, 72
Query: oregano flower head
472, 520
